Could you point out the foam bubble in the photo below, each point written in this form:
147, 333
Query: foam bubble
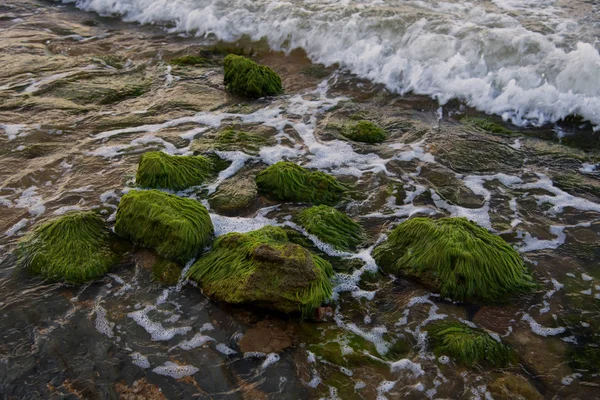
541, 330
175, 371
140, 360
407, 365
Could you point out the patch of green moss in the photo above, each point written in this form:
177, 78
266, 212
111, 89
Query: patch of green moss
234, 139
343, 348
290, 182
189, 60
365, 132
164, 171
263, 268
331, 226
166, 272
462, 260
486, 125
247, 78
177, 228
114, 61
468, 346
129, 91
73, 248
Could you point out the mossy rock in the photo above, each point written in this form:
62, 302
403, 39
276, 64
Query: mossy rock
231, 139
456, 257
247, 78
160, 170
468, 346
166, 272
486, 124
331, 226
365, 132
190, 60
263, 268
290, 182
75, 247
177, 228
513, 387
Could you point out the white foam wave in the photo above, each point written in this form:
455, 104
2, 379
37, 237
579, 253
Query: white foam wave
485, 56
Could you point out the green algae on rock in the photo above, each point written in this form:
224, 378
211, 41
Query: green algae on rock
468, 346
331, 226
245, 77
160, 170
486, 125
166, 272
460, 259
231, 139
189, 60
290, 182
365, 132
263, 268
74, 248
177, 228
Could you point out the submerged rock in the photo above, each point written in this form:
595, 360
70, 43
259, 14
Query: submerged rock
513, 387
231, 139
234, 194
365, 131
331, 226
263, 268
458, 258
166, 272
468, 346
160, 170
290, 182
245, 77
73, 248
177, 228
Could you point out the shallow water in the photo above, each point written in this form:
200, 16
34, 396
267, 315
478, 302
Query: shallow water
62, 149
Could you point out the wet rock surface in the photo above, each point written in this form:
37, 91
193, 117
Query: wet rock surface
83, 96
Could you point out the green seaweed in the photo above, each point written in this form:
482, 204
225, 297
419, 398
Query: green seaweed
462, 260
177, 228
189, 60
486, 125
290, 182
468, 346
245, 77
161, 170
263, 268
331, 226
74, 248
365, 132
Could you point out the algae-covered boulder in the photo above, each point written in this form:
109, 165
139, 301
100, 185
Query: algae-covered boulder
365, 131
247, 78
458, 258
177, 228
75, 247
263, 268
331, 226
468, 346
290, 182
160, 170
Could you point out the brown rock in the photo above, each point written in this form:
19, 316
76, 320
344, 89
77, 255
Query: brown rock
265, 340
